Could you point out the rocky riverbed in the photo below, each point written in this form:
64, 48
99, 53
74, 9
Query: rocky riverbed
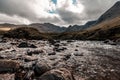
58, 60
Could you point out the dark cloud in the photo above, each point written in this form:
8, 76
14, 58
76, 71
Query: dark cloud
17, 7
18, 11
68, 16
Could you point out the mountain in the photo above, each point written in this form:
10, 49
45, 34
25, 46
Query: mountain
6, 25
45, 28
106, 27
48, 27
80, 27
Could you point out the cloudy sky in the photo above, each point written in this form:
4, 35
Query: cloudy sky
60, 12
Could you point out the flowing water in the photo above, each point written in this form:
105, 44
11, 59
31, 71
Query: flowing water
92, 60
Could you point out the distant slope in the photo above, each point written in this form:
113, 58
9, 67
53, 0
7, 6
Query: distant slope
45, 28
80, 27
106, 30
48, 27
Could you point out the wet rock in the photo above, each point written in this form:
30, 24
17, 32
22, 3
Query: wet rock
1, 49
78, 54
4, 40
106, 41
30, 53
41, 68
66, 57
69, 41
33, 46
76, 49
51, 41
3, 56
59, 49
77, 46
57, 41
29, 58
55, 49
7, 76
57, 45
14, 43
64, 44
23, 45
52, 53
118, 41
0, 39
57, 74
13, 50
53, 58
109, 42
26, 45
9, 66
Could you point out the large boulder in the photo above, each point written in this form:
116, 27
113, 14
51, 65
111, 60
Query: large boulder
9, 66
40, 68
57, 74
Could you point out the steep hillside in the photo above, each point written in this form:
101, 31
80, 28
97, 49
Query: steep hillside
80, 27
113, 12
106, 30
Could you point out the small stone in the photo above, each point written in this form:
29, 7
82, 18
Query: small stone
23, 45
109, 42
52, 53
78, 54
66, 57
3, 56
57, 45
34, 52
69, 41
26, 45
29, 58
1, 49
51, 41
76, 49
13, 43
59, 49
33, 46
